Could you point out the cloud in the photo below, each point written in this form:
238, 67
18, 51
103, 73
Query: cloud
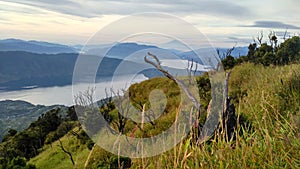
240, 39
93, 8
69, 7
272, 24
4, 20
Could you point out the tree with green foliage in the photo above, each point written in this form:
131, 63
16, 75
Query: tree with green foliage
10, 134
271, 53
289, 51
228, 62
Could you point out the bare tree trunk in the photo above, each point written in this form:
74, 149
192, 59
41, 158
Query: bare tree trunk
67, 152
227, 119
89, 156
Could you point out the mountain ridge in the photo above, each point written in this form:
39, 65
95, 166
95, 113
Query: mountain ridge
18, 114
34, 46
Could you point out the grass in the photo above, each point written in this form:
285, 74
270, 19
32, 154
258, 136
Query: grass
267, 101
52, 156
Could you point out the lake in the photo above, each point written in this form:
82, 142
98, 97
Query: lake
64, 94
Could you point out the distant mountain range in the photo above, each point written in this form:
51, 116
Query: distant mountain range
43, 64
20, 69
119, 50
35, 46
116, 50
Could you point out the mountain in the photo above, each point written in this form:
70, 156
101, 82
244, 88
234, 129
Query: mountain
237, 52
19, 114
74, 149
193, 55
35, 46
19, 70
175, 46
16, 67
119, 50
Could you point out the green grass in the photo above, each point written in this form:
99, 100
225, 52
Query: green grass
267, 101
52, 156
268, 98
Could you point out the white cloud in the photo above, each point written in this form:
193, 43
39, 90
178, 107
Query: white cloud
92, 8
272, 25
74, 21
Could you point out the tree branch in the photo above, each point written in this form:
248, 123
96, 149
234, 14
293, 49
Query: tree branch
67, 152
157, 65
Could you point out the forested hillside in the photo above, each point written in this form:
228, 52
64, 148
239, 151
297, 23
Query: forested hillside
18, 115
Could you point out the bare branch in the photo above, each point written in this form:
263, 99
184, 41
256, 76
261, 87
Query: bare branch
260, 37
284, 35
67, 152
229, 51
168, 75
224, 55
196, 69
225, 94
85, 98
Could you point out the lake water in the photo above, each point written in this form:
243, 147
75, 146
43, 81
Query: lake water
64, 94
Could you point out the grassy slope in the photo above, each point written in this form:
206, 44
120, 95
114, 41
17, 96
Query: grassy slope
270, 101
269, 98
52, 157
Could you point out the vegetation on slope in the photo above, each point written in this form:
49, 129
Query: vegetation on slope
267, 54
268, 135
267, 101
17, 115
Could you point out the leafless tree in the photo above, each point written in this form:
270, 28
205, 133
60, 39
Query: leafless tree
222, 124
260, 37
224, 55
150, 115
123, 106
284, 35
86, 97
157, 65
67, 152
191, 69
89, 114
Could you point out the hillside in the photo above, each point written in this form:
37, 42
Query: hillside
20, 69
19, 114
263, 87
267, 102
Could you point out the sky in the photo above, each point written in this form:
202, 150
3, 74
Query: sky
224, 22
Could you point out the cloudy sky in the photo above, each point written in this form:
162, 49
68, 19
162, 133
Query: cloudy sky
224, 22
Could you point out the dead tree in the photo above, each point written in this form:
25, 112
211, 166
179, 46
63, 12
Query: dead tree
123, 110
67, 152
190, 69
284, 35
224, 55
157, 65
260, 37
89, 115
228, 120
